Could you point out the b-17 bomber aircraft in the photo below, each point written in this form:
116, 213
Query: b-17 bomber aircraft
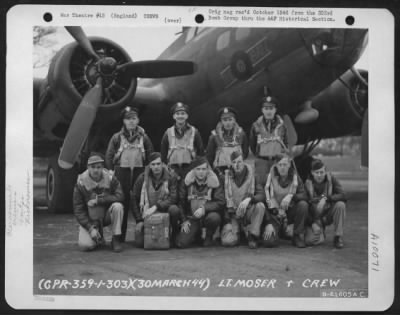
310, 71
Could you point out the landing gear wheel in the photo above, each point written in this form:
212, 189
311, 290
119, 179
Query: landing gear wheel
59, 187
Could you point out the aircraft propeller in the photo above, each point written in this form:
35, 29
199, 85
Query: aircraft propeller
107, 69
364, 127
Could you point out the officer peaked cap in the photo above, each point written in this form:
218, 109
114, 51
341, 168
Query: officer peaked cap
129, 112
269, 101
226, 112
180, 107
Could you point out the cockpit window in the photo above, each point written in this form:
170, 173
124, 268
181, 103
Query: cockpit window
223, 40
190, 34
242, 33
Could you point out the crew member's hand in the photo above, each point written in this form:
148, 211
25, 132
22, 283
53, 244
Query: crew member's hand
269, 231
281, 213
321, 204
139, 226
148, 212
316, 228
286, 202
92, 202
95, 234
185, 228
269, 203
199, 213
244, 204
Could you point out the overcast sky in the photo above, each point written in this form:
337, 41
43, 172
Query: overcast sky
140, 43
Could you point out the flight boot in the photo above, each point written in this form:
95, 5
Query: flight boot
338, 242
116, 243
298, 241
252, 241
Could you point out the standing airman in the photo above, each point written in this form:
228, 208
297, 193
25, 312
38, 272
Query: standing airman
126, 154
181, 143
226, 138
268, 137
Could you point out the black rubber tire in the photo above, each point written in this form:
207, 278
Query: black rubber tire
59, 187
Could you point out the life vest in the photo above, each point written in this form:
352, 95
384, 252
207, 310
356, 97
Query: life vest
327, 190
90, 185
225, 148
196, 197
275, 192
132, 154
149, 195
269, 143
181, 150
234, 194
94, 189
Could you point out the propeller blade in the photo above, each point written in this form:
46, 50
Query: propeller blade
359, 76
364, 140
79, 35
157, 68
80, 126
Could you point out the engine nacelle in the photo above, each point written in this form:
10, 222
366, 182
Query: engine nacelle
72, 73
341, 109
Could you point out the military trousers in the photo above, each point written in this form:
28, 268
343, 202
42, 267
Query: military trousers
335, 214
250, 223
127, 178
297, 215
211, 221
104, 217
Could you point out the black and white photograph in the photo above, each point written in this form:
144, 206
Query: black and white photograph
200, 162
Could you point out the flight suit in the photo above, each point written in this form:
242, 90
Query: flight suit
333, 212
179, 147
267, 140
193, 195
235, 193
162, 193
127, 154
275, 190
222, 143
109, 208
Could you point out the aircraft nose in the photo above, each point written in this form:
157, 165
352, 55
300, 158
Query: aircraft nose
335, 47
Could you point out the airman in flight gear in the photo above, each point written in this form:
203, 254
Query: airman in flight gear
181, 143
226, 138
154, 191
245, 207
201, 198
327, 205
127, 154
286, 204
97, 202
268, 137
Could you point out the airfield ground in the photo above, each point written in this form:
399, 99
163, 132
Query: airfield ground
57, 257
